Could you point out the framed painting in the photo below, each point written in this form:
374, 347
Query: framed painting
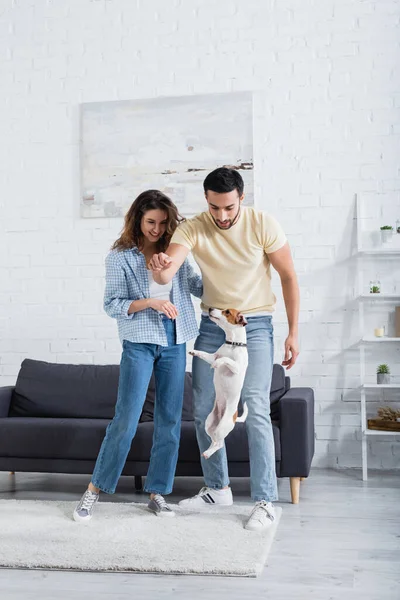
169, 144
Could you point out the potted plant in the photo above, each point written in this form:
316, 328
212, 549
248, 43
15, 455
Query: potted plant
386, 233
374, 287
383, 374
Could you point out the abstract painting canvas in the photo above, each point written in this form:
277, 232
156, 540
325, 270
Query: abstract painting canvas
162, 143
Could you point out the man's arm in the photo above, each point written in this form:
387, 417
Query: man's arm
282, 262
165, 265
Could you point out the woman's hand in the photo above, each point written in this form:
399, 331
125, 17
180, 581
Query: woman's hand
159, 262
164, 306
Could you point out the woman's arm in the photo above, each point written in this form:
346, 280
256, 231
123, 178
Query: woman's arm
117, 303
195, 281
116, 294
164, 306
138, 305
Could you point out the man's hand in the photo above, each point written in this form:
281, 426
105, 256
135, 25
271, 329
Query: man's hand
160, 262
291, 351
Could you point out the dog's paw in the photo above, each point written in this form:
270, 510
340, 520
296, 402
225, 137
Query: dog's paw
219, 362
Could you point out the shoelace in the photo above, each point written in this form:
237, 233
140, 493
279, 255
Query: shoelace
160, 501
88, 500
259, 511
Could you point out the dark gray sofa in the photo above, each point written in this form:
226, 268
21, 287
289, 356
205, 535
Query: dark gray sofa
54, 419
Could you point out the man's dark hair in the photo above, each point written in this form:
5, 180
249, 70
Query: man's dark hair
223, 180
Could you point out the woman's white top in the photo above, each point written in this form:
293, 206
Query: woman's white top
161, 292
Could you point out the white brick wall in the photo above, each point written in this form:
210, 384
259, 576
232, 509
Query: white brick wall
327, 126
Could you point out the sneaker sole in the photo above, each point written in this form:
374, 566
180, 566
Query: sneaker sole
267, 525
161, 514
261, 528
205, 506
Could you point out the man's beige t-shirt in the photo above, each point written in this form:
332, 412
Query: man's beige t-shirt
234, 262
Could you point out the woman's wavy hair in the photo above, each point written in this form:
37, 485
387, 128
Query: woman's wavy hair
132, 235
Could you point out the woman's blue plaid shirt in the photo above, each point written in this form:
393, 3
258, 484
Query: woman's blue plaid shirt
127, 280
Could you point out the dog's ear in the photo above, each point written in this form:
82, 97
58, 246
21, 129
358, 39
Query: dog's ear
240, 320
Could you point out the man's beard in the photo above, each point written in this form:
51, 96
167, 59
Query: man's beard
232, 221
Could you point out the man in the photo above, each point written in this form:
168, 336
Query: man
234, 247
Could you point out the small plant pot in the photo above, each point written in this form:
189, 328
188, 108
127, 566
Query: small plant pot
386, 235
382, 378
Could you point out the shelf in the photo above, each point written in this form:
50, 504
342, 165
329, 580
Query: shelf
388, 297
378, 432
380, 340
381, 252
385, 386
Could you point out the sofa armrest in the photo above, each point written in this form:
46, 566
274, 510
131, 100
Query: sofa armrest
296, 410
5, 399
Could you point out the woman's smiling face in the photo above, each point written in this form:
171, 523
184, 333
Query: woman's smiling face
154, 225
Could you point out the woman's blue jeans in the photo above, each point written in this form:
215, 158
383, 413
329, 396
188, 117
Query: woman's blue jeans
137, 364
255, 393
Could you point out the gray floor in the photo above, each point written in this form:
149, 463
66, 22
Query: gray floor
342, 542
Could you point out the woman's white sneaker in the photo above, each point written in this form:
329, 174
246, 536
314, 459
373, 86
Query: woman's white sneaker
261, 517
84, 510
208, 497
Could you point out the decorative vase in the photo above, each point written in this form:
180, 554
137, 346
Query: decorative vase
386, 235
383, 378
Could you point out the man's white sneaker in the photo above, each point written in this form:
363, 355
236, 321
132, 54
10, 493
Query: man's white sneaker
208, 497
261, 517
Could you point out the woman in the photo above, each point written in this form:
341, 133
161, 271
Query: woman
154, 322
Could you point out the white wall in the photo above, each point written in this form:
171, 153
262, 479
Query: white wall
326, 127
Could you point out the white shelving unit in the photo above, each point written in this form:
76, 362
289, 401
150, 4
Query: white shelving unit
376, 253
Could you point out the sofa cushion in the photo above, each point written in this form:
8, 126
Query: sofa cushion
90, 391
278, 384
57, 390
236, 444
278, 388
80, 439
187, 409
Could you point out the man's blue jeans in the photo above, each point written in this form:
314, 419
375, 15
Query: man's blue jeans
255, 393
137, 363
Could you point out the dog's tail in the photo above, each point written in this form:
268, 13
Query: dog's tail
244, 414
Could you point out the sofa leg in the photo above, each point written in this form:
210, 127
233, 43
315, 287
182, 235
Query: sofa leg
295, 489
12, 472
303, 478
138, 483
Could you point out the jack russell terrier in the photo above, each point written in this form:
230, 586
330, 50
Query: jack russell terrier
230, 364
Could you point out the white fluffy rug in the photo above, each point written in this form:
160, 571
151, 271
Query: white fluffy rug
127, 537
